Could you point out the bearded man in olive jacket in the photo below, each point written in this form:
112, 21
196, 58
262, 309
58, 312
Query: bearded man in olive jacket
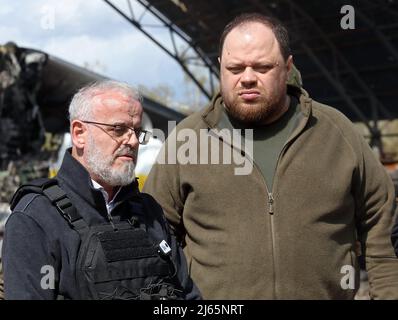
302, 188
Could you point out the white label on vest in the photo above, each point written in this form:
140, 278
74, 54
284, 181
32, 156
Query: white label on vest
165, 247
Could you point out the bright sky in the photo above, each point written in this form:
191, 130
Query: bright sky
91, 32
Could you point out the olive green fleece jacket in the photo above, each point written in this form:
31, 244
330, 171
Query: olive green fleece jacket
297, 241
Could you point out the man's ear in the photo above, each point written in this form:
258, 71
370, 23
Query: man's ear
79, 133
219, 60
289, 63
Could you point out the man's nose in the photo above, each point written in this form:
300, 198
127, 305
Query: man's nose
131, 139
248, 77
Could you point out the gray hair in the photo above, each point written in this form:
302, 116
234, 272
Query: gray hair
82, 102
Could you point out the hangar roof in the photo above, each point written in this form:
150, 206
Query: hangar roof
354, 70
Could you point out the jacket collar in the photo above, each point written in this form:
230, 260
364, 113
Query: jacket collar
77, 179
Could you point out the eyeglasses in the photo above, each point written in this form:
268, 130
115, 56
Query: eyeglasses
119, 131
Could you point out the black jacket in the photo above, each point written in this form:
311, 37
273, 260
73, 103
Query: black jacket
37, 236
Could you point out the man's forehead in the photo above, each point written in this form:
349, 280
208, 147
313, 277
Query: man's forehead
248, 34
112, 100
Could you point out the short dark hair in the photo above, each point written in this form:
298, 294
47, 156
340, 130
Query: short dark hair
273, 23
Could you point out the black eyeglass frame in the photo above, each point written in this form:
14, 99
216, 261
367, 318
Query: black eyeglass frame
138, 132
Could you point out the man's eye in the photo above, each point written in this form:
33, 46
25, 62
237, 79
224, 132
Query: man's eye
235, 70
119, 130
263, 69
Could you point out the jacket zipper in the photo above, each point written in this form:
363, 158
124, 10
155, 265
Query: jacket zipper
270, 200
271, 203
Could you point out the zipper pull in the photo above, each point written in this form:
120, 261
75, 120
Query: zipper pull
271, 203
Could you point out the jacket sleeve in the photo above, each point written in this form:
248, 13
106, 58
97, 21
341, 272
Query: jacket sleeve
26, 259
374, 194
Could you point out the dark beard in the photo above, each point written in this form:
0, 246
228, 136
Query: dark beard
254, 114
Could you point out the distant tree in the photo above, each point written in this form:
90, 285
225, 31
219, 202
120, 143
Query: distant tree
162, 93
193, 96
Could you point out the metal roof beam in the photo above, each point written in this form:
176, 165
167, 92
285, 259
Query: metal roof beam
336, 84
174, 30
333, 81
382, 5
383, 39
374, 101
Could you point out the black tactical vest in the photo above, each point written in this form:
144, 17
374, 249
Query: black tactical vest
115, 261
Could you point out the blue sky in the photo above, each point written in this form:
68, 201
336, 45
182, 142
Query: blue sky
91, 32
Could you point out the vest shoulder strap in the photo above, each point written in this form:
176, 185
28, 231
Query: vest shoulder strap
53, 192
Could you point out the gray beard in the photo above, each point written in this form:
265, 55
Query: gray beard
101, 167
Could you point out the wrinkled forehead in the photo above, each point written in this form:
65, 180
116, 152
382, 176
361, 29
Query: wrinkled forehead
114, 101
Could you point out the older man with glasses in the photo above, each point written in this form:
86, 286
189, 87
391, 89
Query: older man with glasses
89, 233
